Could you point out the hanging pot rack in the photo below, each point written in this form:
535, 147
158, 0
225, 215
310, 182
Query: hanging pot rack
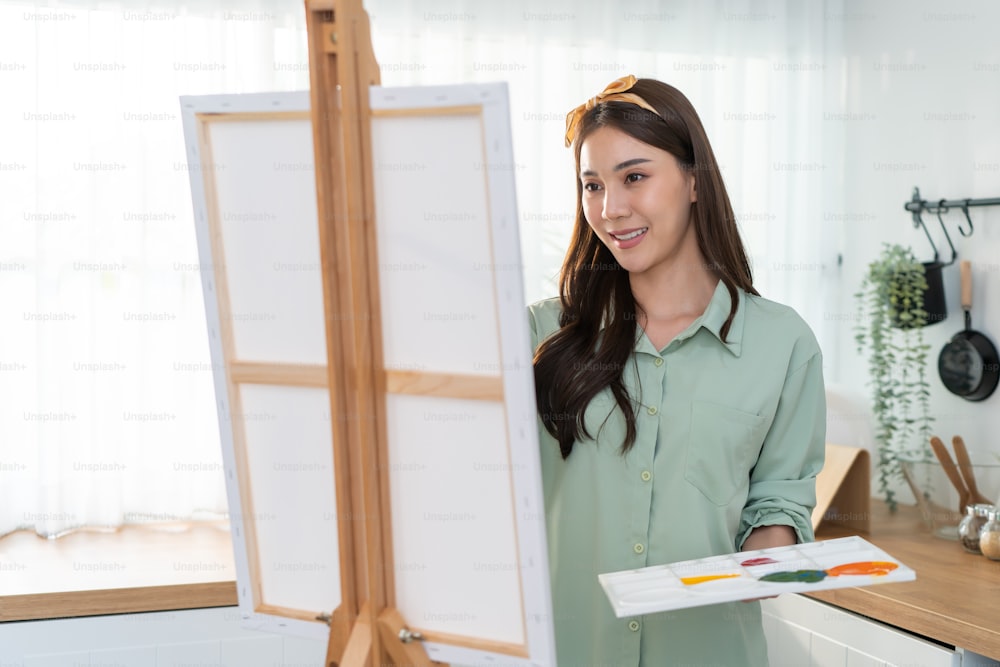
916, 206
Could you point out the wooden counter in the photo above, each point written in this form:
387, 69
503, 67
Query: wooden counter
955, 599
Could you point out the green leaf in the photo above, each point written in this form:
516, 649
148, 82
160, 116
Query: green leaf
889, 327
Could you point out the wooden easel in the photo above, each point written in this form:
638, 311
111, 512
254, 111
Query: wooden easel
366, 629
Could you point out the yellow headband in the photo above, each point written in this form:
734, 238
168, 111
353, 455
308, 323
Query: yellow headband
614, 92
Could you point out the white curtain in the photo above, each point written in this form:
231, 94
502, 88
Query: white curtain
766, 76
105, 381
108, 412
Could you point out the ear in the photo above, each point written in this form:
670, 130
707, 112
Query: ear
692, 188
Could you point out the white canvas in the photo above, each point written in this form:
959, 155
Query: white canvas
463, 315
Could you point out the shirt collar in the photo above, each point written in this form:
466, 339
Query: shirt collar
712, 320
716, 314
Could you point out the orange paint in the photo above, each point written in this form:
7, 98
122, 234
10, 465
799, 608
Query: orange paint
875, 568
689, 581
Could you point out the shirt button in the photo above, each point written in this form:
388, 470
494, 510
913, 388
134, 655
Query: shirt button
633, 626
646, 476
638, 548
651, 410
658, 362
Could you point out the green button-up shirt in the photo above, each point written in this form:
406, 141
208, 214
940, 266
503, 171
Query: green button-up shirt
730, 436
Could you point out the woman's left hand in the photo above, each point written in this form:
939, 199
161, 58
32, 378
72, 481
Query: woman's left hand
766, 537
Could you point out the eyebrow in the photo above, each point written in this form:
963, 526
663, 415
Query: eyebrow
618, 167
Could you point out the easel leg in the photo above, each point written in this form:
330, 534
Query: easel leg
403, 653
358, 651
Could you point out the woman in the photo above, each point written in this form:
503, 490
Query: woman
682, 414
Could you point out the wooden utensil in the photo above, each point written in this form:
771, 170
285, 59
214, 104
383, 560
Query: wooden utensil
923, 504
951, 470
965, 466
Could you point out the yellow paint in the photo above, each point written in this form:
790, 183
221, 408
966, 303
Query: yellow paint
690, 581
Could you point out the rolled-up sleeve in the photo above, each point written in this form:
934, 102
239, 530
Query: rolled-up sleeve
783, 481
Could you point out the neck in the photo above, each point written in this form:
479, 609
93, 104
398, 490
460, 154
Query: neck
681, 289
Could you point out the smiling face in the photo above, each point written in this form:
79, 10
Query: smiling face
637, 199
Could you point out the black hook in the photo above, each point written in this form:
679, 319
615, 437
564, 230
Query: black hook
965, 210
915, 206
941, 208
917, 220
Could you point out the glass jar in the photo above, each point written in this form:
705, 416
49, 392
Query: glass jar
973, 521
989, 536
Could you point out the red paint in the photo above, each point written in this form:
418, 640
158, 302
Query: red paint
758, 561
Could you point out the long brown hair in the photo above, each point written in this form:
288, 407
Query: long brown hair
598, 322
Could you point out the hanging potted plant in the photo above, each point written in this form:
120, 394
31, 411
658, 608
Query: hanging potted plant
889, 328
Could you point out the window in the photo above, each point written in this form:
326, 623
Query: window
105, 380
107, 413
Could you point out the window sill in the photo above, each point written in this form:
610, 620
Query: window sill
134, 569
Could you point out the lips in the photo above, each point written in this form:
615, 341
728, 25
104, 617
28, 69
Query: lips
628, 238
629, 234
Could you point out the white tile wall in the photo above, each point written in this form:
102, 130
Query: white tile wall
935, 46
825, 652
834, 637
254, 651
801, 632
58, 660
124, 657
859, 659
193, 654
194, 638
787, 643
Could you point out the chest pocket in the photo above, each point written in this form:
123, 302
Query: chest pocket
723, 446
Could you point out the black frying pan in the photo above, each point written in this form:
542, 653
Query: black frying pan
968, 364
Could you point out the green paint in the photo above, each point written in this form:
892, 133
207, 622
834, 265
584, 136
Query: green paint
796, 576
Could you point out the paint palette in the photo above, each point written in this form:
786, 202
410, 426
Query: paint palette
841, 563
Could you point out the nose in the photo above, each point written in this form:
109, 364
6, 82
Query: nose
615, 204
